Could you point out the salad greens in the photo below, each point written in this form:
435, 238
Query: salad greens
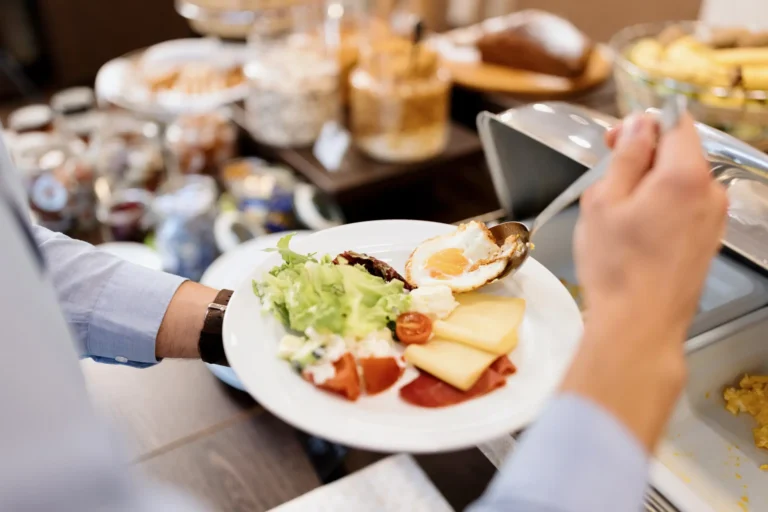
307, 292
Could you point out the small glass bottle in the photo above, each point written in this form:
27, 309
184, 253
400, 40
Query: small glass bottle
128, 153
400, 95
293, 76
76, 112
186, 208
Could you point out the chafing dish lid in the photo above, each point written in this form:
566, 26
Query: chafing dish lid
531, 149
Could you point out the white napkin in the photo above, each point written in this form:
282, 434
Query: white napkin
394, 484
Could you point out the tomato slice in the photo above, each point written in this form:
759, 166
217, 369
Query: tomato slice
413, 328
380, 373
346, 382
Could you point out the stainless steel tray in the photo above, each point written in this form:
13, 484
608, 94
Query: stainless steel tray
708, 448
732, 290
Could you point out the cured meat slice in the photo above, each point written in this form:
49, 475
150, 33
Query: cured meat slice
503, 366
429, 391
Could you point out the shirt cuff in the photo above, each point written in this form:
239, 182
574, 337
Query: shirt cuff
576, 457
128, 313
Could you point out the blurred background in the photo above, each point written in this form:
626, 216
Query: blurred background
191, 126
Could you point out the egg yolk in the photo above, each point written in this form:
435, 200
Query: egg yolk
447, 263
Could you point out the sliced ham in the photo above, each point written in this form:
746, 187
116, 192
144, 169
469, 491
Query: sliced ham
346, 382
429, 391
503, 366
379, 373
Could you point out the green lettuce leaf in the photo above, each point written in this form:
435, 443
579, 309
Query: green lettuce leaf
304, 292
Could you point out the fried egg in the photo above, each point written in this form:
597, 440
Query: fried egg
463, 260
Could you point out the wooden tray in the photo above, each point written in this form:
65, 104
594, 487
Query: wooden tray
469, 71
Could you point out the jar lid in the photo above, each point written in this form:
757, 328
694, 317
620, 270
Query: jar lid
40, 150
73, 101
31, 117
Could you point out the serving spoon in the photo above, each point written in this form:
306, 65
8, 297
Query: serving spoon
669, 117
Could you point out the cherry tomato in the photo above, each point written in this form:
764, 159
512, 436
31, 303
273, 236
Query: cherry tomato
413, 328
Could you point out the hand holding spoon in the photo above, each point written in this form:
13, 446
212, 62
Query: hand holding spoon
670, 114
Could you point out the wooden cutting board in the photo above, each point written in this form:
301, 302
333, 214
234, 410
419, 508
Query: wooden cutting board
475, 74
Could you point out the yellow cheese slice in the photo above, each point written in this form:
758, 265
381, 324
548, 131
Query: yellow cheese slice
454, 363
485, 322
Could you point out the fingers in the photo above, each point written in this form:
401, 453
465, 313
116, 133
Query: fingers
633, 155
680, 158
611, 135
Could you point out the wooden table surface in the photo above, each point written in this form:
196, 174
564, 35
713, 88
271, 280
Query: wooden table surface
187, 429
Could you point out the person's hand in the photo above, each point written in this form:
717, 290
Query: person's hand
643, 245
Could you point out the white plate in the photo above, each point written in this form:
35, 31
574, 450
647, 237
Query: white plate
549, 335
119, 81
228, 270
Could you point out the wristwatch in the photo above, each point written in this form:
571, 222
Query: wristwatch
211, 344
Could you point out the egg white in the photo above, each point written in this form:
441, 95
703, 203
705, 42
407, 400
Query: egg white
486, 259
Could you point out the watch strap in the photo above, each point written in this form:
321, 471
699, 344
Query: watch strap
211, 345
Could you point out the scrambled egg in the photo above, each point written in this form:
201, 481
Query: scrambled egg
751, 397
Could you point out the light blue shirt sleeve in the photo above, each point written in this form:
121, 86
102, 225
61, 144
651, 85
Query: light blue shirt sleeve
576, 458
114, 308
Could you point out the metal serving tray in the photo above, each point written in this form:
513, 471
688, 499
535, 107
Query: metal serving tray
708, 448
708, 459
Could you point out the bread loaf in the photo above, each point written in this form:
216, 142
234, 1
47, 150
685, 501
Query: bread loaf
540, 42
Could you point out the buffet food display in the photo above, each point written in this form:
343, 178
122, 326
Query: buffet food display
723, 72
201, 143
294, 92
59, 179
399, 102
175, 77
526, 52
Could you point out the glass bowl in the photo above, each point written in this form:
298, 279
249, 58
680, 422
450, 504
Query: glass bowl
736, 110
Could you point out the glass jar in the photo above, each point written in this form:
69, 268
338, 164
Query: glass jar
59, 181
186, 209
127, 153
399, 110
262, 192
346, 21
126, 216
200, 143
76, 112
293, 76
32, 118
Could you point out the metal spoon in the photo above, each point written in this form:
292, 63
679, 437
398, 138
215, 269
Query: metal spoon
669, 118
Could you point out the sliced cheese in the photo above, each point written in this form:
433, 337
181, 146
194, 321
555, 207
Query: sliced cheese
454, 363
485, 322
